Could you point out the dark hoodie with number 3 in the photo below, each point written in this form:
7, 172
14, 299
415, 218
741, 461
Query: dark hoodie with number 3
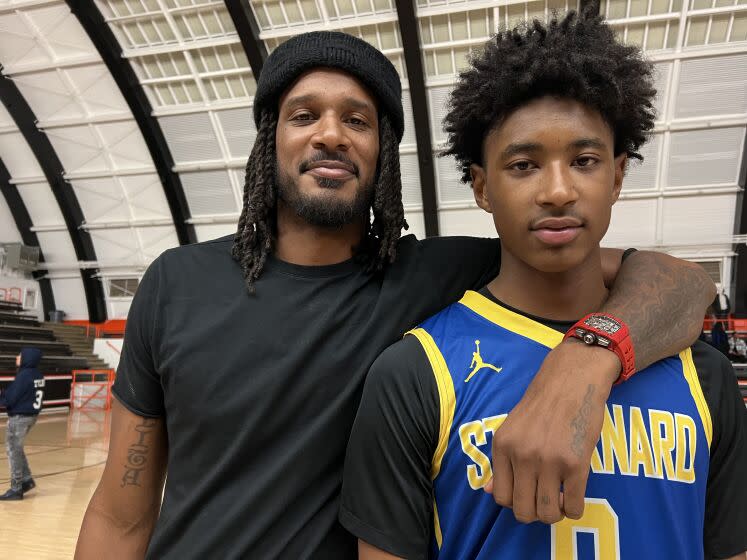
25, 394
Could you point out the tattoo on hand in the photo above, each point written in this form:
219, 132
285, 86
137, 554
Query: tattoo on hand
580, 424
544, 500
137, 454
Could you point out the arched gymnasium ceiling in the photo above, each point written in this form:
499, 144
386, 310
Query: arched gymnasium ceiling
130, 123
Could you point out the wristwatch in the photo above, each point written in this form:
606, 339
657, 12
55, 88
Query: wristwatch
607, 331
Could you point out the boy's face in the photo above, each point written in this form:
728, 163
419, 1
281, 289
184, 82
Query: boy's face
550, 179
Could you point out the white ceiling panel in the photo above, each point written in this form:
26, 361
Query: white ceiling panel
207, 232
8, 231
57, 248
146, 197
70, 297
101, 200
155, 240
239, 132
408, 138
191, 137
100, 148
633, 224
18, 157
116, 245
48, 95
705, 157
209, 193
662, 72
438, 98
41, 205
701, 220
722, 81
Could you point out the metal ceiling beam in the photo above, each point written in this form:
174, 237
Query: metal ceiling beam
23, 223
408, 26
98, 30
248, 30
63, 192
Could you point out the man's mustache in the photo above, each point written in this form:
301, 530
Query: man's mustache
327, 156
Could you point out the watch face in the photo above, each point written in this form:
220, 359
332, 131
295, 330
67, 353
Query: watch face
602, 323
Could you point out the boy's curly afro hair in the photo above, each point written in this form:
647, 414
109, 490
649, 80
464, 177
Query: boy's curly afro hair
576, 57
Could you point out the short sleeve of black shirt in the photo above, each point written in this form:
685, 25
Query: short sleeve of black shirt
387, 497
725, 532
137, 385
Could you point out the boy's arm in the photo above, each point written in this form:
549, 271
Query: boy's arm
389, 455
122, 513
548, 438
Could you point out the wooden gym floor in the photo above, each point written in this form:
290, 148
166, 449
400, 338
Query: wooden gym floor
66, 454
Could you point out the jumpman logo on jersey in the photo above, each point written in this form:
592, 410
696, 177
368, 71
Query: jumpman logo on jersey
478, 364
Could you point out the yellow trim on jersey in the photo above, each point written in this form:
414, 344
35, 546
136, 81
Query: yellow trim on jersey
511, 321
437, 525
691, 375
447, 405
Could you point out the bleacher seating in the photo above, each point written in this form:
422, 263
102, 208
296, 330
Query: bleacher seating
17, 330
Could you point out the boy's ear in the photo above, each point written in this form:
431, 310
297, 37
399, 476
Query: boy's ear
621, 164
479, 187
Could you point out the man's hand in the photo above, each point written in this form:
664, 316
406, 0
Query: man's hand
547, 439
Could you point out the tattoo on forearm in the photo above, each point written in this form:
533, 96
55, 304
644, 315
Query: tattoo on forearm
580, 424
663, 302
137, 453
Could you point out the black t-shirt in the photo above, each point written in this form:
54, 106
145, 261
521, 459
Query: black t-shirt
387, 496
259, 393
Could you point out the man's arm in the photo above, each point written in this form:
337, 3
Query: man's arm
548, 438
122, 513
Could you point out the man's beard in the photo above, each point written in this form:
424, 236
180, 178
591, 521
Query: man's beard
325, 211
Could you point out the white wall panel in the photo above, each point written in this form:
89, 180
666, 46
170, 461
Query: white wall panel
70, 297
705, 157
712, 86
633, 224
449, 184
699, 220
472, 221
417, 224
643, 175
411, 192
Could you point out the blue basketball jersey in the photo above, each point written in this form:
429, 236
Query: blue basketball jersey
645, 496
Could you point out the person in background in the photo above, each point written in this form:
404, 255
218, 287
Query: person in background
721, 305
719, 340
23, 400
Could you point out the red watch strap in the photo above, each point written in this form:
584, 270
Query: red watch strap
620, 343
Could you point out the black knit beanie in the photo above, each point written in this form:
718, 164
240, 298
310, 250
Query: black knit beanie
330, 49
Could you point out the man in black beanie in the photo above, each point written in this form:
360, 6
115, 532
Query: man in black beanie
244, 357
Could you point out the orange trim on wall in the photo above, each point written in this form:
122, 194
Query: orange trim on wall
112, 327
